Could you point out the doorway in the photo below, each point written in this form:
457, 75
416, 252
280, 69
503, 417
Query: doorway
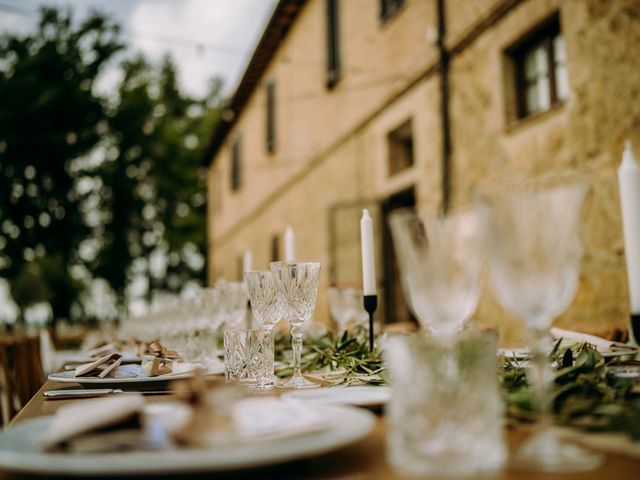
395, 306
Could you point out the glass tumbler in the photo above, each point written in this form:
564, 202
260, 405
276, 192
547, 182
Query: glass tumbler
248, 357
445, 412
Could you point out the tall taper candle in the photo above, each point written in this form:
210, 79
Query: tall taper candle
629, 184
368, 259
289, 244
247, 261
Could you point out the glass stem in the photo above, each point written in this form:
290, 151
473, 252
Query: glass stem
540, 375
272, 348
296, 343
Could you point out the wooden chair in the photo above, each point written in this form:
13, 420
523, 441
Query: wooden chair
21, 373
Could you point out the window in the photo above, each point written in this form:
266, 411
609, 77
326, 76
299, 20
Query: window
275, 248
236, 165
271, 116
333, 45
400, 144
540, 69
388, 8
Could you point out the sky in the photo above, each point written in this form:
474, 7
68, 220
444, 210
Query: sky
206, 38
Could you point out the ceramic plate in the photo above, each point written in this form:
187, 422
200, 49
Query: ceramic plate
360, 396
128, 381
523, 353
19, 450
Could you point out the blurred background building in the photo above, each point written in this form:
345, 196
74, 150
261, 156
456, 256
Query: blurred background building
383, 104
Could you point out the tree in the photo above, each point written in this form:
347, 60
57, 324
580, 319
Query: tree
153, 171
50, 121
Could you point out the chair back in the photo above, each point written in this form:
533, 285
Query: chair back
21, 373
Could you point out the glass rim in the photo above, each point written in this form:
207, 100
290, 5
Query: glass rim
295, 262
522, 184
245, 330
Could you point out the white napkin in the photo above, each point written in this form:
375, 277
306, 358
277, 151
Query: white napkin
260, 418
601, 344
101, 367
79, 418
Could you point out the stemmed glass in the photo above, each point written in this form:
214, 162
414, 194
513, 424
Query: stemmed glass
297, 284
233, 298
208, 319
440, 264
534, 259
265, 306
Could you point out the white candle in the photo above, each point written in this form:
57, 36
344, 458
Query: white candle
629, 184
368, 260
289, 244
247, 261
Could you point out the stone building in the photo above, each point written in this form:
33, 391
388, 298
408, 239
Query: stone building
348, 104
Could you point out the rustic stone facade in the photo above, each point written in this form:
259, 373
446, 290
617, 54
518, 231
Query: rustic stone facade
331, 155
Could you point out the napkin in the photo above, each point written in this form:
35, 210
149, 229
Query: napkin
260, 418
78, 421
101, 350
601, 344
101, 367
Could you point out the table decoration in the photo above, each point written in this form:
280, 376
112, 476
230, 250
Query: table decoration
339, 360
347, 308
369, 296
289, 244
20, 452
445, 412
297, 284
629, 184
266, 308
101, 368
248, 358
585, 393
440, 265
77, 420
535, 250
359, 396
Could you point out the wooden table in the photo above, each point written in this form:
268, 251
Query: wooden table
362, 461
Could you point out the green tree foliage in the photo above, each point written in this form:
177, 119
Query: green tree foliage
91, 188
49, 118
153, 171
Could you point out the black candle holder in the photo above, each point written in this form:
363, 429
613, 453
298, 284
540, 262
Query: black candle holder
370, 304
635, 327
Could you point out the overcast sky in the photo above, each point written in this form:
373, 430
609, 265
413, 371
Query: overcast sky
206, 38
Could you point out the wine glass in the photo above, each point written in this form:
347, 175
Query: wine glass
297, 284
266, 307
341, 310
440, 263
234, 299
535, 250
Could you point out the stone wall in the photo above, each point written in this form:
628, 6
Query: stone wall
332, 153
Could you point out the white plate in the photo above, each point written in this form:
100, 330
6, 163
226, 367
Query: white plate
96, 382
19, 450
360, 396
523, 353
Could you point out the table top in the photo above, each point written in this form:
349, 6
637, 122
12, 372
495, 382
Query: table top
363, 460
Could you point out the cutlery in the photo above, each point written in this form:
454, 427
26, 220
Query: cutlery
97, 392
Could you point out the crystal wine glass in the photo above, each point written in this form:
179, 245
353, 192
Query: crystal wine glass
535, 250
234, 299
266, 307
341, 310
297, 284
440, 264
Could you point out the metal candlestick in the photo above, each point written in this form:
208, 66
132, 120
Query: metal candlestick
370, 304
635, 327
